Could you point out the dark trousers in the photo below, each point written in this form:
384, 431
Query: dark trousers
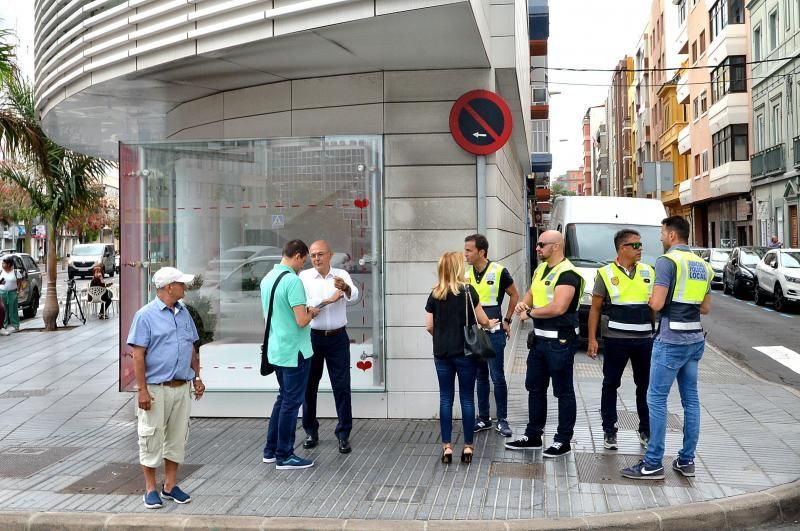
333, 351
551, 359
616, 356
292, 383
494, 367
106, 298
446, 371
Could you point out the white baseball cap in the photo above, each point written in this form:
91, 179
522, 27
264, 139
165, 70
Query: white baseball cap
168, 275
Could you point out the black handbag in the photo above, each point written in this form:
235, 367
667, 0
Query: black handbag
266, 367
477, 345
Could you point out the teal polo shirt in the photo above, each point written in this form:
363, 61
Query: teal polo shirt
285, 337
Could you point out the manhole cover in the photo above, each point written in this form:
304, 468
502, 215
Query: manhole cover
604, 469
395, 493
516, 470
629, 420
21, 462
24, 393
119, 478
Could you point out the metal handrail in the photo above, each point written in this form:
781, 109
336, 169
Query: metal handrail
768, 162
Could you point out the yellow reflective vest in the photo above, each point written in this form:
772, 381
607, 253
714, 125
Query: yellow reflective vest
543, 287
489, 286
628, 310
692, 281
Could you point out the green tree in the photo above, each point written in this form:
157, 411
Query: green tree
59, 181
557, 189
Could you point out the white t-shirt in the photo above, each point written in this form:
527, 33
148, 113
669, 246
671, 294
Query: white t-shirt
10, 278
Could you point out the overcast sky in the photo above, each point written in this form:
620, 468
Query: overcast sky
18, 15
590, 34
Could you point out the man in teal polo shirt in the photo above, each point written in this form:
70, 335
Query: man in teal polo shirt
289, 350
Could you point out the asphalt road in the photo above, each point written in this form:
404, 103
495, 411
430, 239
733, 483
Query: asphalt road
737, 326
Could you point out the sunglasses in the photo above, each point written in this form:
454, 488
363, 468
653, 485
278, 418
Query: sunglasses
633, 245
541, 245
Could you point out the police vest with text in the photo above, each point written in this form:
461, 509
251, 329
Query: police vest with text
692, 281
628, 310
543, 287
489, 286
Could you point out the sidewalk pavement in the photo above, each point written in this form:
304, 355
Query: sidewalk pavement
68, 445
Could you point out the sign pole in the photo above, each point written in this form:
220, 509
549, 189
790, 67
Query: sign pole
658, 181
481, 177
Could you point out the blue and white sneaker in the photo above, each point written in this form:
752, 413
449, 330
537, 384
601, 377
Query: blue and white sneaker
503, 428
482, 424
642, 470
269, 457
686, 469
176, 495
293, 462
152, 500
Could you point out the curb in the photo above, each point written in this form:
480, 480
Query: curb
773, 506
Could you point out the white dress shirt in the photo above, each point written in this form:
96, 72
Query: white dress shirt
333, 316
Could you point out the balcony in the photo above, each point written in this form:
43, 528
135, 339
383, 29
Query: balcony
683, 88
685, 140
538, 26
541, 162
730, 178
540, 108
797, 152
771, 161
731, 41
733, 108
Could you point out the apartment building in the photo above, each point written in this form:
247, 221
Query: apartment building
775, 165
541, 157
641, 101
572, 181
586, 129
599, 133
618, 109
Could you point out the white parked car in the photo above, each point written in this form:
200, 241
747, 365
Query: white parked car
778, 275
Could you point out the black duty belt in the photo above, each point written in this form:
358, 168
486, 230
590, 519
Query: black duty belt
328, 332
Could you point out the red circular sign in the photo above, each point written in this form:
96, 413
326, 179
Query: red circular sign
480, 122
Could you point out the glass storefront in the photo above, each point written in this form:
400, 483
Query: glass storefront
223, 210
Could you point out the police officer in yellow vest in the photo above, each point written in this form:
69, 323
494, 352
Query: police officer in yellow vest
621, 291
492, 281
552, 303
681, 295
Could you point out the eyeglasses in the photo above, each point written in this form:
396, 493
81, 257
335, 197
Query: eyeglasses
541, 245
633, 245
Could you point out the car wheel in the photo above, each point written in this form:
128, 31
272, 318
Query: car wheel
759, 297
725, 289
30, 311
780, 301
735, 288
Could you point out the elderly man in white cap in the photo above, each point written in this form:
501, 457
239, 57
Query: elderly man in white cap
167, 366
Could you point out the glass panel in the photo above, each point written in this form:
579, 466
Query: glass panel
223, 210
590, 244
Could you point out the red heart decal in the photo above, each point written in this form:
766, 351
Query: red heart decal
361, 365
368, 364
361, 203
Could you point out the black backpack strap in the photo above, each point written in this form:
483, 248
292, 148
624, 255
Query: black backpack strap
264, 345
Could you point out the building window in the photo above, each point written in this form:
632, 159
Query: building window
702, 42
667, 120
696, 108
703, 103
773, 30
787, 9
729, 76
757, 43
694, 52
704, 161
697, 165
725, 12
682, 13
760, 129
730, 144
777, 122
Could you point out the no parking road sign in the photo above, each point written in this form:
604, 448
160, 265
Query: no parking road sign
480, 122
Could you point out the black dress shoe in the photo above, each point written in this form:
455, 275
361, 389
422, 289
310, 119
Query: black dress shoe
310, 442
344, 446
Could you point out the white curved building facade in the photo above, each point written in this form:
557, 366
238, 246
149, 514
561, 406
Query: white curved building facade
241, 124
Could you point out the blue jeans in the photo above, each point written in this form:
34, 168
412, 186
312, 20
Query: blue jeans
551, 359
292, 382
617, 353
668, 363
494, 367
333, 351
446, 370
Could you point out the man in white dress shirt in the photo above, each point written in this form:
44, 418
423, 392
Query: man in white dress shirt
330, 289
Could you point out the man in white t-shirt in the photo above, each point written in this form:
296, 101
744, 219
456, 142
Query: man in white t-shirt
329, 289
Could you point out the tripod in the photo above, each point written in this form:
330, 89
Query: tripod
72, 293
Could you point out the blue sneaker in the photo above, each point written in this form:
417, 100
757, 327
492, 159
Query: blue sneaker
176, 495
686, 469
642, 470
293, 462
152, 500
269, 457
503, 428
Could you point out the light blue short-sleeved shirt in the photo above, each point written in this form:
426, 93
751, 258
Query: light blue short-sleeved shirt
168, 337
286, 339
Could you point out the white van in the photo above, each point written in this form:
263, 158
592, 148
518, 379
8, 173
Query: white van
589, 224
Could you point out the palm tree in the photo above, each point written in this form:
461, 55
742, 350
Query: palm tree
58, 181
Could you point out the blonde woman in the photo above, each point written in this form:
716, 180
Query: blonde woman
445, 320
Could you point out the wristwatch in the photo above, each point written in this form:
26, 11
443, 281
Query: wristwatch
507, 320
528, 313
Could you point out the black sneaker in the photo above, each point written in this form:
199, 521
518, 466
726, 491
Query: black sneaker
610, 441
557, 449
525, 443
686, 469
642, 470
310, 441
483, 425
